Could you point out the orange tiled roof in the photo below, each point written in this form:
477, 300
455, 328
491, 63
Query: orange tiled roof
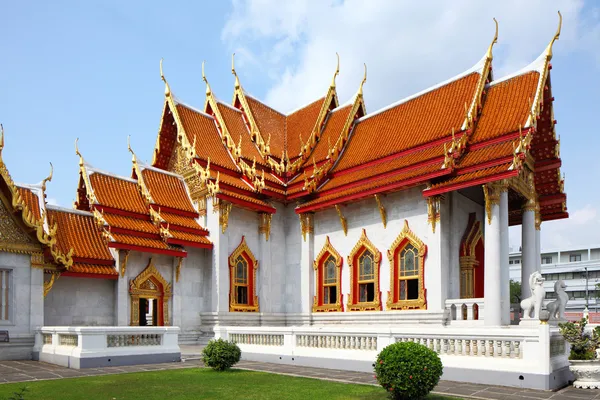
79, 231
31, 201
270, 122
174, 219
236, 126
506, 106
415, 122
487, 153
301, 123
333, 129
248, 198
208, 140
167, 190
189, 237
140, 241
133, 224
95, 269
114, 192
471, 176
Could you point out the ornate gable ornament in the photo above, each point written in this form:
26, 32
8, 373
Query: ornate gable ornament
363, 244
407, 236
328, 251
150, 284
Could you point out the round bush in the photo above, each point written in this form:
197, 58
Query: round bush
221, 355
408, 370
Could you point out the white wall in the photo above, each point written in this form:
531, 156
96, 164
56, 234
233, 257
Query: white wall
194, 285
75, 301
24, 312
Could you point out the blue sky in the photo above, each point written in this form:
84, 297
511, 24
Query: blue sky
90, 70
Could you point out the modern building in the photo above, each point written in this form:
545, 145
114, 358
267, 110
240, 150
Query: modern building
578, 267
316, 237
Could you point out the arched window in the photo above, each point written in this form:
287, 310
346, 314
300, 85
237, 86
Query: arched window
328, 270
407, 259
242, 272
364, 262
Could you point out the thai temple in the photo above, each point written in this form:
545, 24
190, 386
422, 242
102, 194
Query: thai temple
316, 237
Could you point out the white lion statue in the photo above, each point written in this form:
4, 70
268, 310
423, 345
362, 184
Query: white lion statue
556, 308
532, 305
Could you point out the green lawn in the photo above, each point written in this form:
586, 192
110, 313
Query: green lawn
194, 383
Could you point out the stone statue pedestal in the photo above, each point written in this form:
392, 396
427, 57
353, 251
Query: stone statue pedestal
530, 322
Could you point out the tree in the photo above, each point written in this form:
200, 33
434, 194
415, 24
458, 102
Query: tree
515, 292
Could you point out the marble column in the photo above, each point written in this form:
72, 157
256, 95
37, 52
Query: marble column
219, 260
504, 250
493, 258
121, 315
529, 262
264, 284
538, 242
177, 291
36, 310
307, 256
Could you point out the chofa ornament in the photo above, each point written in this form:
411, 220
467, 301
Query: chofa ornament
533, 304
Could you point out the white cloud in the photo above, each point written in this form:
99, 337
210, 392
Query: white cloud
407, 46
52, 201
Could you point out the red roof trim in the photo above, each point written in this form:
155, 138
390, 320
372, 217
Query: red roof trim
157, 207
359, 195
274, 194
190, 244
123, 246
552, 199
474, 182
83, 260
95, 276
175, 227
551, 217
246, 204
487, 164
117, 211
130, 232
303, 192
546, 165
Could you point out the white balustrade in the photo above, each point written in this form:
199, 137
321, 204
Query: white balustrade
468, 346
465, 309
367, 343
257, 339
125, 340
67, 340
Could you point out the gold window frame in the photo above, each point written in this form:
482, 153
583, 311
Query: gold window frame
328, 251
242, 250
468, 259
137, 290
421, 302
364, 244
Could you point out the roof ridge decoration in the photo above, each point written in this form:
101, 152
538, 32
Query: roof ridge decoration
238, 92
83, 173
333, 154
227, 139
46, 237
145, 192
312, 140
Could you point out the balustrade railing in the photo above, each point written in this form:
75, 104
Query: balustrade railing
125, 340
461, 346
67, 340
557, 346
338, 342
257, 339
465, 309
47, 338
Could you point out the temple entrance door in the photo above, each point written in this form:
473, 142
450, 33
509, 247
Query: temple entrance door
472, 268
148, 311
150, 294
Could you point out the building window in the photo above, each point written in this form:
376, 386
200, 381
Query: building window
406, 257
242, 272
511, 262
574, 257
328, 270
517, 261
364, 262
5, 293
546, 260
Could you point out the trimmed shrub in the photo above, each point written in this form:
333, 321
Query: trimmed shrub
408, 370
221, 355
583, 342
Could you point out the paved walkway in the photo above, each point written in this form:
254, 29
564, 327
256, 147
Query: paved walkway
22, 371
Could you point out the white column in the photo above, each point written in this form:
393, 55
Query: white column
36, 311
307, 274
219, 262
529, 263
504, 270
121, 292
176, 300
538, 249
493, 261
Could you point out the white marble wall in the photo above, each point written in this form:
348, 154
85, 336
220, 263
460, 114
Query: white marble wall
191, 295
75, 301
26, 311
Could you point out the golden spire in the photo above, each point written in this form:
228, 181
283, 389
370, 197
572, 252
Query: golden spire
1, 137
237, 80
48, 179
494, 41
133, 157
555, 38
360, 89
337, 70
78, 153
162, 76
208, 91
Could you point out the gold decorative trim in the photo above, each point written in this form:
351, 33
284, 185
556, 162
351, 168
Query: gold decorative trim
242, 250
264, 224
143, 189
343, 220
125, 255
306, 224
382, 211
364, 243
468, 261
433, 211
491, 195
407, 236
49, 284
224, 211
326, 251
139, 287
178, 268
538, 216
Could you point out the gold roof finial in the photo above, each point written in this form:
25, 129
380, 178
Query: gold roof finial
360, 89
1, 137
337, 70
494, 41
48, 179
133, 158
162, 76
208, 92
555, 38
237, 80
78, 153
